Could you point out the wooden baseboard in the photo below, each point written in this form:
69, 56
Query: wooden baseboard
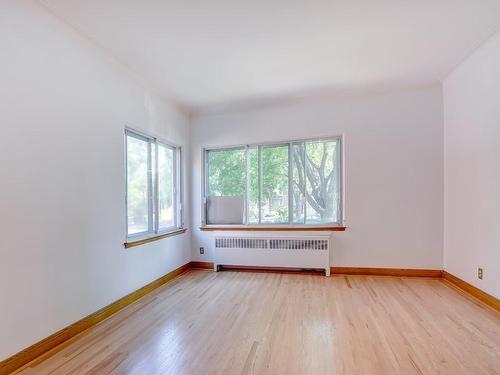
335, 270
27, 355
470, 289
203, 265
408, 272
210, 266
272, 270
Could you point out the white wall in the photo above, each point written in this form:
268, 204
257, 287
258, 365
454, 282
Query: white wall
63, 107
394, 170
472, 168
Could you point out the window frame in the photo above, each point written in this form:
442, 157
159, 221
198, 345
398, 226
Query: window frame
154, 229
290, 224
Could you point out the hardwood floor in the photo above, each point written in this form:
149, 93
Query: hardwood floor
270, 323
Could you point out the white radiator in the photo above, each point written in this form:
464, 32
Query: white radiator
305, 251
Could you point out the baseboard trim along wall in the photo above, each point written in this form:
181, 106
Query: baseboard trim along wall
408, 272
27, 355
470, 289
204, 265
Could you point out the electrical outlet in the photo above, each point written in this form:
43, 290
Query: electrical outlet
202, 250
480, 273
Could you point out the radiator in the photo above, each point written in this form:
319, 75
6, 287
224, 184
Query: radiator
280, 251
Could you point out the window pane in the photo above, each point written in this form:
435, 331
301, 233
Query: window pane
226, 186
166, 186
137, 185
298, 183
153, 185
253, 185
322, 182
274, 198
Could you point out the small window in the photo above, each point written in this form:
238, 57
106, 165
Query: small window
292, 183
153, 201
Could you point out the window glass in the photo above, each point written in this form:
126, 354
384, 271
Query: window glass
226, 186
253, 185
322, 182
137, 185
166, 186
153, 185
298, 183
274, 198
288, 183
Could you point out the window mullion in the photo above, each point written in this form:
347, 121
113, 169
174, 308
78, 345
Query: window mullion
305, 182
339, 182
179, 219
206, 186
126, 186
180, 187
261, 182
290, 184
150, 188
156, 209
247, 182
175, 192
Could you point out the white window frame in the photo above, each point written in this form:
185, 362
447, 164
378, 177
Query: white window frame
153, 191
290, 143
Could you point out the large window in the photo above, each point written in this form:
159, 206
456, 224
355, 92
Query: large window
153, 186
292, 183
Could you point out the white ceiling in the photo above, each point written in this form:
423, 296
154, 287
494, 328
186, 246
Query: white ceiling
209, 52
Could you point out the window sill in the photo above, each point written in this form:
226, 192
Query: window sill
154, 238
277, 228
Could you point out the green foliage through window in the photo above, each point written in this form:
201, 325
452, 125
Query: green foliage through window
152, 185
286, 183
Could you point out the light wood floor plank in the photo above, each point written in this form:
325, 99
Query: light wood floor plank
271, 323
